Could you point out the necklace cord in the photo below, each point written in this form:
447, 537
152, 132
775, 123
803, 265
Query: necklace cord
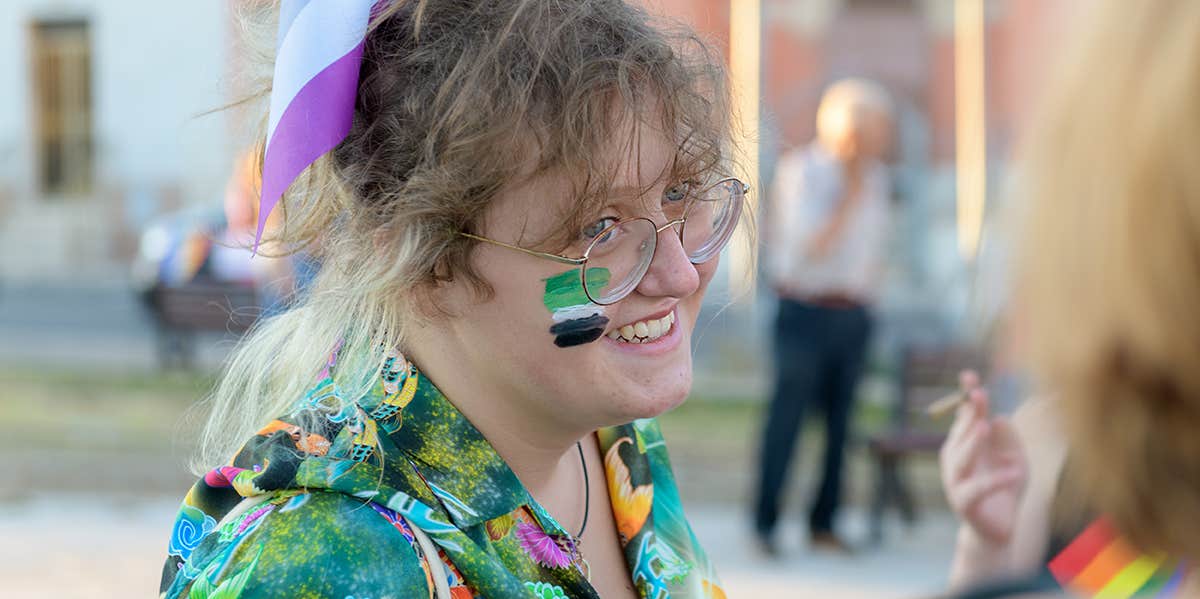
587, 490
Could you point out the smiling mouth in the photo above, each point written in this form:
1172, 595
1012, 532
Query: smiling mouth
644, 331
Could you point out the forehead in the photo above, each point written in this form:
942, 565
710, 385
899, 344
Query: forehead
635, 161
640, 157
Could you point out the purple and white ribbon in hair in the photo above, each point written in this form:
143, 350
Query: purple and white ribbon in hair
317, 59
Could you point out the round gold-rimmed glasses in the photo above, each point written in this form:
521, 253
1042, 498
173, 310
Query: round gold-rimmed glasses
619, 256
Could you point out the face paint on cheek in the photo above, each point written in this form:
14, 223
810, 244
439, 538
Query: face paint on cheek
576, 319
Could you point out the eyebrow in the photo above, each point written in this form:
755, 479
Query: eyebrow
665, 176
629, 191
632, 191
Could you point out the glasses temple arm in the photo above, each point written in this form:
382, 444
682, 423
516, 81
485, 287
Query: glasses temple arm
554, 257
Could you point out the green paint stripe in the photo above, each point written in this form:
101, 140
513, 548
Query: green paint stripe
565, 290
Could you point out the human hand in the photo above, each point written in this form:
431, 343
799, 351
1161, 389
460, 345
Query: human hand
848, 202
854, 174
983, 466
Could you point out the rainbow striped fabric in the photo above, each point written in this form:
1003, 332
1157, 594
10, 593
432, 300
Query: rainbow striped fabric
1099, 563
317, 59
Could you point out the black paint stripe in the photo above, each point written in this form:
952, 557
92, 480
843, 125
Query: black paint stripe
578, 331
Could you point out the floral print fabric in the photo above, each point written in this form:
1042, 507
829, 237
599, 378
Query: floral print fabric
322, 503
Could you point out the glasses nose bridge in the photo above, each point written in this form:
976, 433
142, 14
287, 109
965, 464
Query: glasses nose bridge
658, 231
671, 223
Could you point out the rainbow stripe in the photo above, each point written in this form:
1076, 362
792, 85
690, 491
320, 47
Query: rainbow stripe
315, 82
1099, 563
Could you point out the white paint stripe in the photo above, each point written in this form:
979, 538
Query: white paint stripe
573, 312
323, 31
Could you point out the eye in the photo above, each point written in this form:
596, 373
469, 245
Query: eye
677, 192
598, 227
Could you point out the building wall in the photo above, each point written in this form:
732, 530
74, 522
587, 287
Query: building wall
708, 17
909, 46
155, 67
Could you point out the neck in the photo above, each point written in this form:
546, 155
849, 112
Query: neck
538, 446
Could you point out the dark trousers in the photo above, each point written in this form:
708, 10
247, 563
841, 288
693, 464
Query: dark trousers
819, 355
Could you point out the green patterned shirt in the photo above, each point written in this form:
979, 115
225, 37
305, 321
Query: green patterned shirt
322, 503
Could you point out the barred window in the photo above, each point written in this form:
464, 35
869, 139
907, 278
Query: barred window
61, 59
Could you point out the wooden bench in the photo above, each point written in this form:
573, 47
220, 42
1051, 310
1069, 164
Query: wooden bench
198, 306
926, 375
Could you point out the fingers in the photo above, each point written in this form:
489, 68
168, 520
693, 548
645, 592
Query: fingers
1005, 440
964, 416
971, 411
978, 488
957, 463
968, 380
982, 401
971, 435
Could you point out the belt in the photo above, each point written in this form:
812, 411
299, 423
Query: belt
836, 301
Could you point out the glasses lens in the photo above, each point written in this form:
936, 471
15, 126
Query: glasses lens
711, 220
618, 258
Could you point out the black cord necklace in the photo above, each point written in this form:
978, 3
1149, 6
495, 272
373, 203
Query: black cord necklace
587, 490
577, 555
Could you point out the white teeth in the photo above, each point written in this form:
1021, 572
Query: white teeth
644, 331
655, 328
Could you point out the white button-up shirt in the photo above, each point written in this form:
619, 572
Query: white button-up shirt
807, 188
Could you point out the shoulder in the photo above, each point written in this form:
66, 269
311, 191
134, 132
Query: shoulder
798, 160
317, 543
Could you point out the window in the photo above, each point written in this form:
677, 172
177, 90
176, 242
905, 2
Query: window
61, 57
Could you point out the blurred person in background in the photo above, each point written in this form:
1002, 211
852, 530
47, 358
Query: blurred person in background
825, 249
1109, 289
207, 245
231, 258
278, 273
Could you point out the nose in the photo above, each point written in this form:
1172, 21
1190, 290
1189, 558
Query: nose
671, 274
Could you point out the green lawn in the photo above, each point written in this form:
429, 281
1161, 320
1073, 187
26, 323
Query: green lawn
75, 428
93, 411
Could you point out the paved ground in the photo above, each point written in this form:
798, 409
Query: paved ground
910, 563
108, 547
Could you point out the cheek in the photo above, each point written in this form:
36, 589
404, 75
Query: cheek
706, 271
693, 302
575, 320
512, 315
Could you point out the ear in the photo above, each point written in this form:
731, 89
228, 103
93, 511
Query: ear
438, 300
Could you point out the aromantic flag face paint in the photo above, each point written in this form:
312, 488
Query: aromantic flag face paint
576, 319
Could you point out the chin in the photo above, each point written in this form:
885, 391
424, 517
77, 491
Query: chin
647, 379
643, 401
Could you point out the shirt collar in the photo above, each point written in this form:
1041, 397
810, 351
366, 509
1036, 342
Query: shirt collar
462, 469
